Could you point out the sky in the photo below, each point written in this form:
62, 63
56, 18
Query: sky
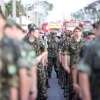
62, 8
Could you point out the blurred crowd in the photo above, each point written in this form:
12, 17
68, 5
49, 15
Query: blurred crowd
27, 61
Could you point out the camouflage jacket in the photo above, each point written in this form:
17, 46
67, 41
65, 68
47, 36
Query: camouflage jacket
37, 45
13, 56
75, 50
65, 45
52, 47
9, 56
90, 64
75, 47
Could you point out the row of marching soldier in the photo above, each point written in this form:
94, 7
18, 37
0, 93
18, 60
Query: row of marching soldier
22, 62
27, 61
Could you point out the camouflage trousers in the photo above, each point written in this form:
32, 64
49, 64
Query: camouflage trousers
68, 87
66, 83
60, 75
47, 77
4, 92
42, 88
52, 62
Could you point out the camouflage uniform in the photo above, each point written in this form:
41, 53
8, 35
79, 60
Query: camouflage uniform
12, 57
59, 64
75, 55
52, 54
67, 81
75, 48
90, 64
38, 46
46, 66
42, 74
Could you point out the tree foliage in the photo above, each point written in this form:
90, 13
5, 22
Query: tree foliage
8, 8
19, 9
48, 6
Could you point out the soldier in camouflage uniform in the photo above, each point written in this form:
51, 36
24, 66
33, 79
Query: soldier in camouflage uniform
52, 54
15, 60
46, 59
89, 68
59, 61
60, 68
27, 60
76, 45
41, 75
67, 81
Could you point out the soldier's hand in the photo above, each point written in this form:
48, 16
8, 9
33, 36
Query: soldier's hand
67, 69
77, 88
34, 93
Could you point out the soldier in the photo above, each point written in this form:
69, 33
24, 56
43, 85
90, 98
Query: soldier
66, 66
38, 46
10, 55
2, 24
76, 45
52, 54
25, 64
87, 40
60, 81
45, 60
89, 70
14, 31
42, 74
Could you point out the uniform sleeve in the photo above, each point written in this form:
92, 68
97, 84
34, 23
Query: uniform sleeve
65, 47
45, 43
86, 62
41, 45
27, 57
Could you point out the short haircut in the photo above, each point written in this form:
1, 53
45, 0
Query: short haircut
77, 28
96, 25
33, 30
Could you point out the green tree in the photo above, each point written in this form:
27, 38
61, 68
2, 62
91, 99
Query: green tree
20, 10
48, 6
8, 8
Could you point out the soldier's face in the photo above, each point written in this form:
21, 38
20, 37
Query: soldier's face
77, 33
36, 34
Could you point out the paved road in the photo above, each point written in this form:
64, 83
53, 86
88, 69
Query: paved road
54, 92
